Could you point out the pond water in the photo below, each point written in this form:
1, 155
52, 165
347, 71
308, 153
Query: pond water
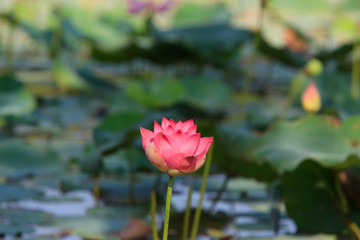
245, 210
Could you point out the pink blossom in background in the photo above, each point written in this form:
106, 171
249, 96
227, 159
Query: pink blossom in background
137, 6
166, 5
175, 147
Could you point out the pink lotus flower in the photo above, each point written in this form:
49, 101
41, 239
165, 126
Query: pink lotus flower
175, 147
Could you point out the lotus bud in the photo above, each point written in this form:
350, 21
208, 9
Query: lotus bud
310, 99
314, 67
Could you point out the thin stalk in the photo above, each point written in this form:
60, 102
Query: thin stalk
96, 189
202, 193
167, 208
355, 74
153, 212
354, 228
275, 206
294, 90
132, 178
55, 42
157, 182
250, 73
10, 46
343, 204
344, 207
187, 214
220, 193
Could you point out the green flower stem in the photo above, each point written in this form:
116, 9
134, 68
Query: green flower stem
343, 204
344, 207
167, 208
257, 39
153, 220
96, 189
202, 193
220, 193
10, 47
355, 78
132, 177
187, 214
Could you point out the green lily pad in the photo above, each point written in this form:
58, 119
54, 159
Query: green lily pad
192, 14
116, 126
67, 79
14, 98
234, 185
15, 193
114, 190
237, 145
8, 229
17, 159
209, 94
310, 199
23, 217
86, 25
121, 121
45, 238
205, 43
351, 5
306, 5
16, 103
157, 94
305, 237
98, 227
123, 160
288, 144
119, 211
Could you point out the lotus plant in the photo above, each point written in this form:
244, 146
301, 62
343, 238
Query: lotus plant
175, 148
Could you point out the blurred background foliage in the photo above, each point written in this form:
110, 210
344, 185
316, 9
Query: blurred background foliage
78, 79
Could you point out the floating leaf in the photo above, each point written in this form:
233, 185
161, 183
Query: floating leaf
114, 190
16, 103
17, 159
192, 14
110, 211
205, 43
8, 229
121, 121
310, 199
157, 94
88, 26
306, 5
23, 217
10, 193
94, 80
288, 144
210, 94
234, 185
305, 237
92, 227
14, 98
67, 79
351, 5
